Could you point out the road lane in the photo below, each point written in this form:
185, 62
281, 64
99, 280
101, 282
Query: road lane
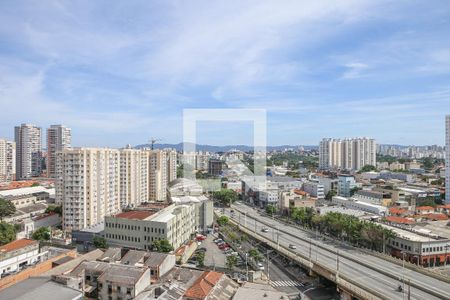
363, 274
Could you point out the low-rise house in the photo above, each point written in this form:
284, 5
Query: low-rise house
422, 210
211, 285
40, 288
18, 254
295, 199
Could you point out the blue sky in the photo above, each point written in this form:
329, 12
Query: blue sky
120, 72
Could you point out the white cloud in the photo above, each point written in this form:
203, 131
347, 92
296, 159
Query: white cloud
354, 70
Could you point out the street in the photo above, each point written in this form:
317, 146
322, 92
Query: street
323, 252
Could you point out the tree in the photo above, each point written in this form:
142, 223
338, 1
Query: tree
6, 208
223, 220
354, 190
253, 253
162, 245
231, 261
225, 196
271, 209
201, 258
330, 195
57, 209
100, 242
42, 234
7, 233
35, 184
368, 168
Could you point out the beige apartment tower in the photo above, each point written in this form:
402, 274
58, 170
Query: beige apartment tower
59, 137
7, 161
87, 185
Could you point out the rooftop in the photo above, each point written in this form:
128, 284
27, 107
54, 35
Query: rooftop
26, 191
17, 244
203, 285
120, 274
39, 288
135, 214
399, 220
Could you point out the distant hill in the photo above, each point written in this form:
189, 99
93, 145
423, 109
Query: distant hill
211, 148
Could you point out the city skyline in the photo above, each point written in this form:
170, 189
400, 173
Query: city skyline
119, 75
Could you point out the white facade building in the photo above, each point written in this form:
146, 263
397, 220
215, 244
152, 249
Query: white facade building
87, 185
447, 159
7, 160
140, 228
351, 203
94, 182
315, 189
134, 176
350, 154
59, 137
28, 151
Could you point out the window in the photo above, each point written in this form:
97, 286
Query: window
128, 291
88, 278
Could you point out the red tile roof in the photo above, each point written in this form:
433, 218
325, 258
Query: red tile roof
203, 285
399, 220
17, 244
435, 216
135, 214
424, 208
300, 192
397, 210
447, 206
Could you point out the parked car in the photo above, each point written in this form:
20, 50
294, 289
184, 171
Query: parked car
260, 266
221, 246
292, 246
201, 237
218, 241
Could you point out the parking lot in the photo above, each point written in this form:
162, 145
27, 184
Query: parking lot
214, 256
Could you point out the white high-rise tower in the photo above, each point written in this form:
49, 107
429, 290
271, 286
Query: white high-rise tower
28, 151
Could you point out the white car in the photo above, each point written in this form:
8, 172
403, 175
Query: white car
260, 266
265, 229
291, 246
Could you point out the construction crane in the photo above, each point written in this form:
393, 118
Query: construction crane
153, 141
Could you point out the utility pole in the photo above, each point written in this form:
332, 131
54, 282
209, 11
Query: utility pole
268, 274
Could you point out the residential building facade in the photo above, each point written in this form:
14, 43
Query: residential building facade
134, 177
447, 159
59, 137
315, 189
87, 185
345, 185
349, 154
7, 160
28, 151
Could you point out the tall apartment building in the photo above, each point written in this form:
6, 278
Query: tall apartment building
59, 137
171, 165
158, 175
350, 154
28, 151
447, 159
7, 160
87, 185
134, 176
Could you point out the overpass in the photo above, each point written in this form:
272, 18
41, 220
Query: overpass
355, 272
